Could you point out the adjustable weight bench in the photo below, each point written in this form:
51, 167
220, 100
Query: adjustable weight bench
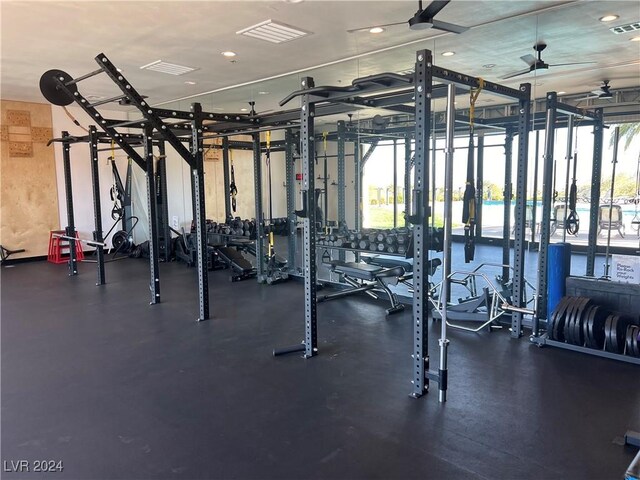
241, 267
365, 278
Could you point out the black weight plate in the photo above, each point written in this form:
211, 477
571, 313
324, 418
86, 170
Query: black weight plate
608, 339
558, 313
578, 319
635, 346
621, 331
568, 318
571, 320
616, 337
597, 332
51, 91
629, 341
588, 320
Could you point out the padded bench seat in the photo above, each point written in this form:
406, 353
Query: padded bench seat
389, 262
364, 277
364, 271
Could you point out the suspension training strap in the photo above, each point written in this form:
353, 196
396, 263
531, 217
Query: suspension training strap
268, 159
233, 190
116, 193
73, 119
573, 221
469, 199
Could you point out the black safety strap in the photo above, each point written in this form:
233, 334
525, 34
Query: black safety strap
469, 199
573, 220
233, 190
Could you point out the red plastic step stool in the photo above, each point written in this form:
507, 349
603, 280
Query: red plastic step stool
59, 248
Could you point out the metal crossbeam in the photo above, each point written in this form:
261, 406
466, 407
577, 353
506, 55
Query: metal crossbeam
140, 103
102, 122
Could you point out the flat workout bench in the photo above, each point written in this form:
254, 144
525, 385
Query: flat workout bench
364, 278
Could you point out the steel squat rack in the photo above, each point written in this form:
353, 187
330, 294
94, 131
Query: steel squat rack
420, 87
378, 91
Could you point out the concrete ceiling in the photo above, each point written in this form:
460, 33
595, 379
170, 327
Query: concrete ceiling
37, 36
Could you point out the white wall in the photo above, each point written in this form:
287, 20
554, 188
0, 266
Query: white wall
81, 172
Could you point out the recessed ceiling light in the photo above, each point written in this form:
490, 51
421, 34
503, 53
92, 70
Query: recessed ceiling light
376, 30
119, 69
189, 82
294, 1
243, 109
636, 39
263, 93
448, 54
561, 93
609, 18
228, 54
488, 65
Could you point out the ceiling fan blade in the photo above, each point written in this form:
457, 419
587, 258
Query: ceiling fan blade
433, 8
366, 29
448, 27
571, 63
528, 59
515, 74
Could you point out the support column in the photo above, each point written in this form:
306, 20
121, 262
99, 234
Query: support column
97, 209
534, 210
164, 233
596, 179
519, 284
547, 201
357, 182
307, 133
341, 180
197, 181
257, 182
226, 176
290, 180
395, 183
479, 184
154, 284
407, 179
419, 218
506, 224
70, 230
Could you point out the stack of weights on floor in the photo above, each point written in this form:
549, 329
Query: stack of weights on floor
580, 321
236, 227
279, 226
393, 240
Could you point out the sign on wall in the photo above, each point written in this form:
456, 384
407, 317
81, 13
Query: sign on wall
625, 269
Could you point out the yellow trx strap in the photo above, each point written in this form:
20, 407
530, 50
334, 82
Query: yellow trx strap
268, 139
473, 97
324, 141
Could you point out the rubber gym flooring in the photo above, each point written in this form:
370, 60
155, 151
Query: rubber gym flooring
117, 389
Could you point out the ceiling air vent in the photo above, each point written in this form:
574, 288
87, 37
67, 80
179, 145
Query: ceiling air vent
166, 67
631, 27
273, 32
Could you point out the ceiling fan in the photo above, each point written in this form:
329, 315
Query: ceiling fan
422, 20
604, 92
539, 64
